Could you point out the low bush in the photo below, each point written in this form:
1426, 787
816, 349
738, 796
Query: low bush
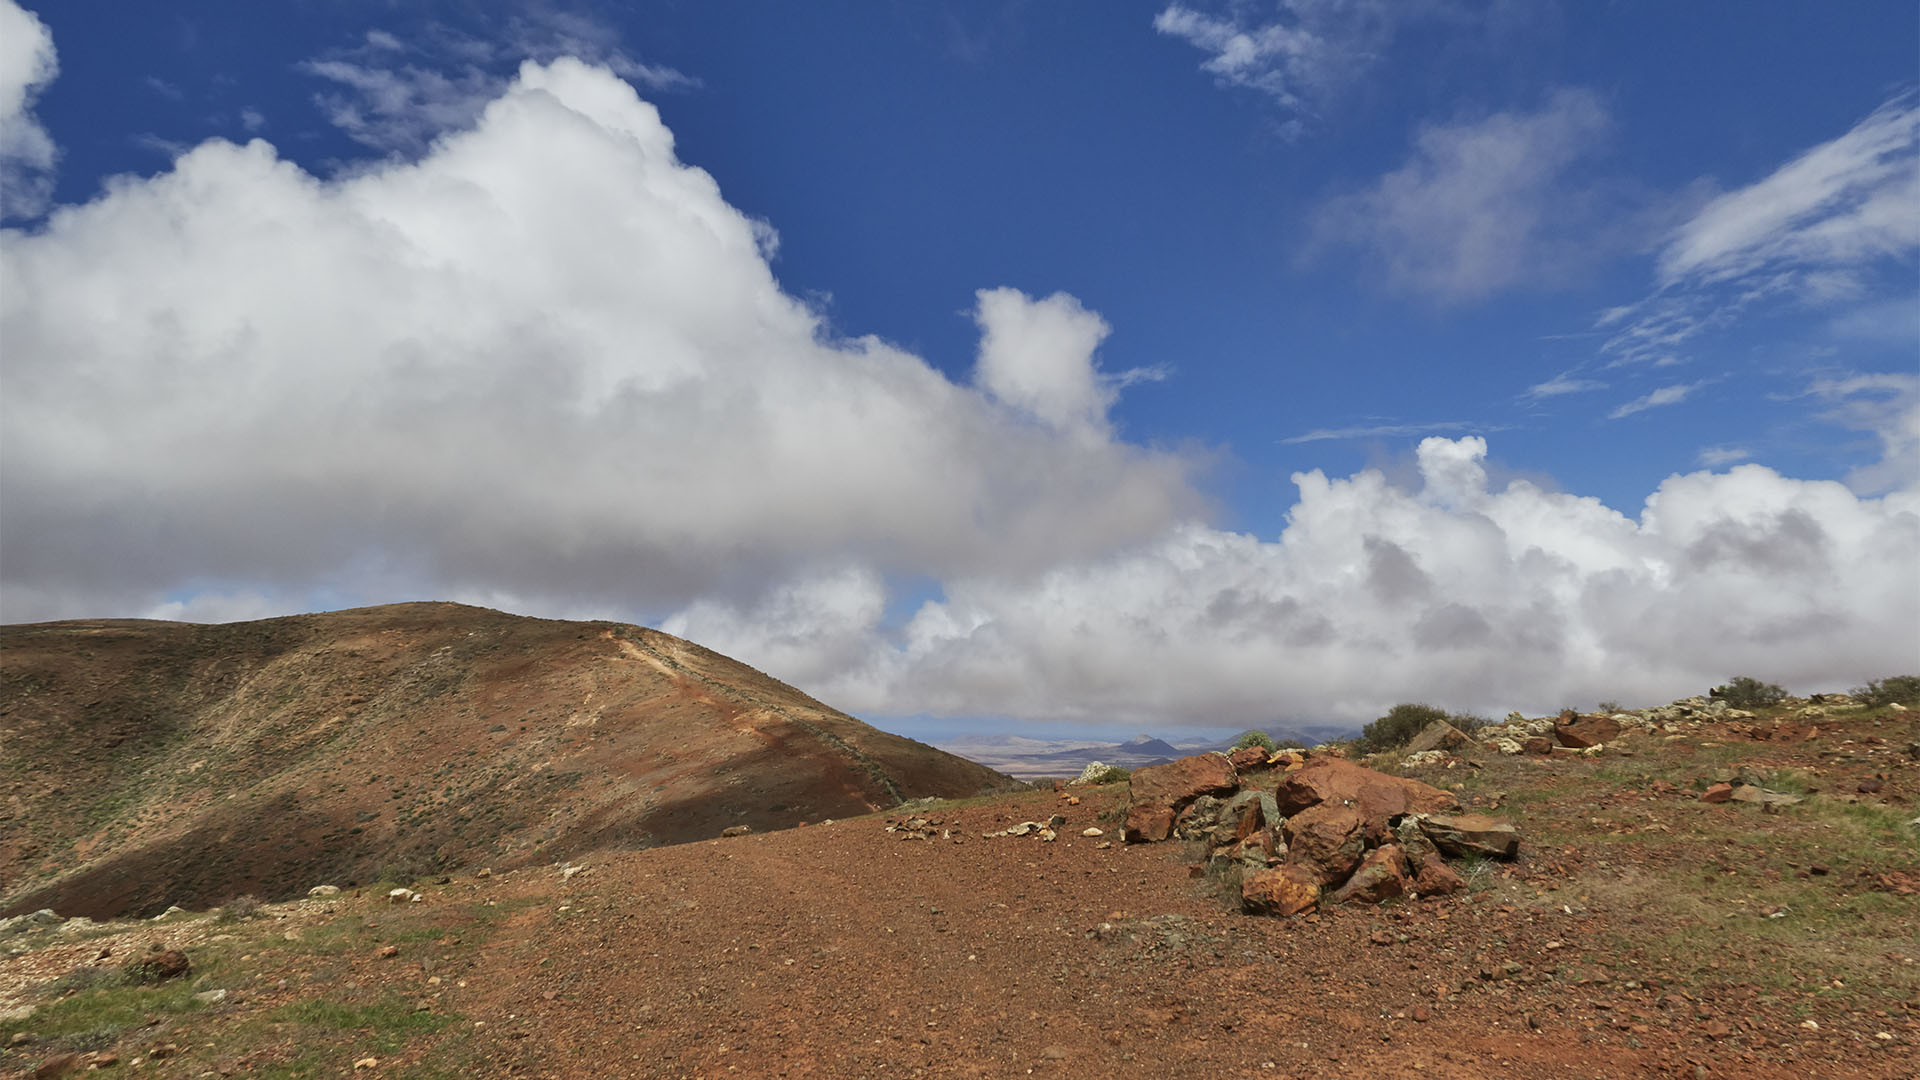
1398, 727
1892, 690
1254, 738
1747, 692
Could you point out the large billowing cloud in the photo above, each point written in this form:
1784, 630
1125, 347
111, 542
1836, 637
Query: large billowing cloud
544, 365
1489, 600
546, 361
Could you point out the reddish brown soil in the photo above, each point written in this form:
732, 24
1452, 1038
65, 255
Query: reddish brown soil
845, 950
149, 763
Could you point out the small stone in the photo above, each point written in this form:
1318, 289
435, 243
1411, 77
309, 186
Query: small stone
58, 1065
1091, 830
366, 1063
1717, 793
210, 997
1422, 1014
319, 891
105, 1059
736, 830
1820, 869
1054, 1053
389, 951
20, 1038
159, 967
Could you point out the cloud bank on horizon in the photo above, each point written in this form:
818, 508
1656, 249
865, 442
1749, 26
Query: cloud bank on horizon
538, 362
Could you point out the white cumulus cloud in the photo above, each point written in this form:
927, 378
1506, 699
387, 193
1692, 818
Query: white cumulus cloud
547, 360
1453, 593
27, 155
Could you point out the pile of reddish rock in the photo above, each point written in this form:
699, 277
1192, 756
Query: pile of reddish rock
1307, 829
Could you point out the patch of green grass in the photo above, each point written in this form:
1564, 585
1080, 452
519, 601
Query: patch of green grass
97, 1007
1726, 899
389, 1019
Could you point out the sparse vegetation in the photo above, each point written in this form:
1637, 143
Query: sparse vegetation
1892, 690
1610, 707
240, 909
1747, 692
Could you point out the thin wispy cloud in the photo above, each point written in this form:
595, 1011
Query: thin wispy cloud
1840, 223
1508, 201
1304, 53
1886, 405
1382, 431
1561, 384
1714, 457
1666, 395
396, 94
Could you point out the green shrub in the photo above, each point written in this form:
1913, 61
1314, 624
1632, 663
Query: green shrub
1893, 690
1610, 707
1398, 727
1747, 692
1254, 738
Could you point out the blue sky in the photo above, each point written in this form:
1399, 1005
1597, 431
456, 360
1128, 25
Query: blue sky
1026, 319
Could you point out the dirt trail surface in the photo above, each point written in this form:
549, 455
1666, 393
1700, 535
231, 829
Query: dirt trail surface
853, 950
1648, 928
850, 951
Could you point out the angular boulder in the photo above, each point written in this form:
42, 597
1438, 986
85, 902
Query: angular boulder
1375, 794
1288, 890
1248, 757
1472, 834
1439, 735
1178, 783
1326, 841
1147, 824
1581, 732
1382, 875
1433, 877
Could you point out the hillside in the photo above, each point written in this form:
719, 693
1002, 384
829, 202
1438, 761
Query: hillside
144, 763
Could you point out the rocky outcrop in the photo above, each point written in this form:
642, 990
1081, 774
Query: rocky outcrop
1330, 832
1377, 796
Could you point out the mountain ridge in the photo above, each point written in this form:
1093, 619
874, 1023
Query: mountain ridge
150, 763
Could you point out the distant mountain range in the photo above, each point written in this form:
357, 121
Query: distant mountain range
1035, 759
